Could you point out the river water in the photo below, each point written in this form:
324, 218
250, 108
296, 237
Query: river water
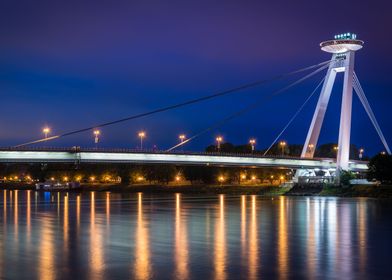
141, 236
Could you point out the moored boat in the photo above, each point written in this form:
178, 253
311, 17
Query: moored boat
55, 185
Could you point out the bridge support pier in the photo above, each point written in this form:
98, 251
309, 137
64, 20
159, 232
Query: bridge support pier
344, 64
345, 115
347, 66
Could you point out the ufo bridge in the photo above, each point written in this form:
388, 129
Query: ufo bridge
343, 48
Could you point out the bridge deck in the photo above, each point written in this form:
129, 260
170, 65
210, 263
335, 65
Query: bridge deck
71, 155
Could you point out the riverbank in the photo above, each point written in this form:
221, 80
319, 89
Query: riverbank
267, 190
382, 191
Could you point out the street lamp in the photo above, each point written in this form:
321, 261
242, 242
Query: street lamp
282, 145
96, 136
310, 147
218, 139
46, 131
361, 150
141, 134
182, 138
221, 179
252, 143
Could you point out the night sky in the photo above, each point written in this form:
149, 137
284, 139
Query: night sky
71, 64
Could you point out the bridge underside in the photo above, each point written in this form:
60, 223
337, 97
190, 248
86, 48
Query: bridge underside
13, 156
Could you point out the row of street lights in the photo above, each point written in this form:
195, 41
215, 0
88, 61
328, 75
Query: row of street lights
142, 134
219, 139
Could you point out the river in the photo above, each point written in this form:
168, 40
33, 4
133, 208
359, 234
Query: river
101, 235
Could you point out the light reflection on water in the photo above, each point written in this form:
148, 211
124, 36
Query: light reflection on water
181, 242
140, 236
283, 248
142, 252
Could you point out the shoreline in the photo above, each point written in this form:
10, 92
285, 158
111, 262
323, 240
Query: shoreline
382, 191
267, 190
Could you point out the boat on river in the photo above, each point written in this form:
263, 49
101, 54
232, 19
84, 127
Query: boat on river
56, 185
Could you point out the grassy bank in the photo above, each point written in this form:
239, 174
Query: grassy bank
382, 191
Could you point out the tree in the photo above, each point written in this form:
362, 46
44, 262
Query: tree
224, 147
162, 173
380, 168
345, 177
329, 150
278, 150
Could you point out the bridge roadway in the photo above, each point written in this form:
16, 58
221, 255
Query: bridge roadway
77, 155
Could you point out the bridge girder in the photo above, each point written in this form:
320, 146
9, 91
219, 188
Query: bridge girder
169, 158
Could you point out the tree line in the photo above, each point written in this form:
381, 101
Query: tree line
132, 173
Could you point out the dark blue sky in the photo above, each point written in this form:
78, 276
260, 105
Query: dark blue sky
71, 64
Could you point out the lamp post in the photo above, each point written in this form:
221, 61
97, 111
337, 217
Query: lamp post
361, 150
218, 139
141, 134
282, 146
46, 131
252, 143
182, 138
96, 137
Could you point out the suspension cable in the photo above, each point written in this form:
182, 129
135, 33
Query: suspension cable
250, 107
362, 97
294, 116
192, 101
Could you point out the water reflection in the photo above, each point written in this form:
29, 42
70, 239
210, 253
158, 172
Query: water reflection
253, 242
181, 242
28, 216
332, 227
283, 249
244, 248
77, 214
65, 226
5, 207
142, 269
344, 240
313, 228
362, 232
107, 209
220, 241
221, 237
16, 222
96, 254
46, 255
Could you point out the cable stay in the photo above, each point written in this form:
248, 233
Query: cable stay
250, 107
294, 116
182, 104
362, 97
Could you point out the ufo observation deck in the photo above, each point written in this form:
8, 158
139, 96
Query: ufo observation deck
342, 43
